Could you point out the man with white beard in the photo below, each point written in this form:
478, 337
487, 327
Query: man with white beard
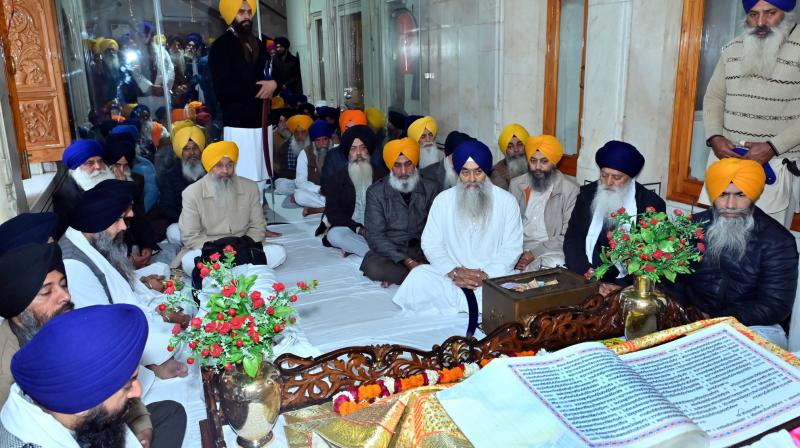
309, 169
749, 270
546, 198
442, 172
107, 75
616, 189
84, 158
474, 232
397, 209
188, 144
220, 205
286, 165
512, 144
423, 131
750, 101
346, 192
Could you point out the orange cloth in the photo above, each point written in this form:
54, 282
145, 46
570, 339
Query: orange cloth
216, 151
417, 128
229, 8
302, 121
158, 130
547, 145
405, 146
178, 115
351, 117
510, 131
182, 137
747, 175
278, 102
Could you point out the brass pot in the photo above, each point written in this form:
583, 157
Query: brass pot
641, 306
251, 405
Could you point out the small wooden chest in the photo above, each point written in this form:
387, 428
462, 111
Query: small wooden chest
501, 305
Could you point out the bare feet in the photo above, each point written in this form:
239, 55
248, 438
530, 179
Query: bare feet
384, 284
271, 234
312, 211
169, 369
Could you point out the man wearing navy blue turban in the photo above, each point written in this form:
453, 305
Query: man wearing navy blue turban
442, 172
77, 380
473, 232
619, 164
750, 109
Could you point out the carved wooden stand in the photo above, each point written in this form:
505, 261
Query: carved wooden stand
309, 381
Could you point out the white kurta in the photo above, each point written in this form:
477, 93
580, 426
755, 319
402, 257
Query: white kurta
251, 164
86, 290
449, 244
29, 423
306, 193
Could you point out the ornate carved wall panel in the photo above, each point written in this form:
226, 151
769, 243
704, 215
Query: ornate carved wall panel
36, 63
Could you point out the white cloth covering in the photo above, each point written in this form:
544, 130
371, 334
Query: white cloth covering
251, 164
29, 423
285, 186
348, 241
305, 198
448, 243
275, 253
86, 290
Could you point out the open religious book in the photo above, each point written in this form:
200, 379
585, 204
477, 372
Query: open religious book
712, 388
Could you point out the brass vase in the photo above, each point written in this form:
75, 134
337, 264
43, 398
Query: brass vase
251, 405
641, 306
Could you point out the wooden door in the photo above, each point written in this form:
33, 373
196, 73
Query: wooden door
37, 69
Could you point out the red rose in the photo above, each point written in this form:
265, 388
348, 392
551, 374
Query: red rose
236, 323
270, 310
228, 248
278, 287
162, 307
650, 209
196, 322
243, 294
190, 361
231, 312
277, 328
255, 295
644, 225
210, 327
293, 298
239, 342
193, 345
608, 234
292, 319
613, 215
224, 328
176, 329
678, 212
169, 284
204, 272
220, 316
654, 222
169, 291
215, 266
644, 257
621, 210
206, 352
228, 290
216, 351
612, 244
626, 237
214, 257
255, 338
701, 247
228, 366
658, 254
258, 303
170, 348
302, 285
649, 268
200, 265
698, 233
668, 256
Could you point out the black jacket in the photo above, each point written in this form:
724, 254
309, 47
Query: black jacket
435, 173
171, 185
286, 72
759, 289
581, 219
340, 200
394, 228
235, 81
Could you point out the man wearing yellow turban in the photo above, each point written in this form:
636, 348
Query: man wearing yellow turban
749, 268
396, 213
375, 119
546, 198
222, 204
512, 144
238, 62
286, 165
423, 131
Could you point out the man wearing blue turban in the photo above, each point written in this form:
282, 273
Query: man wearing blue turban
619, 164
474, 232
750, 109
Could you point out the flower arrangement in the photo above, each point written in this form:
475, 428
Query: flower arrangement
175, 295
355, 398
239, 326
651, 245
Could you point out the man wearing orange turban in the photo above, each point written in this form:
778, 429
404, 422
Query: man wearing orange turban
351, 117
396, 213
423, 131
238, 62
749, 265
512, 144
546, 198
222, 204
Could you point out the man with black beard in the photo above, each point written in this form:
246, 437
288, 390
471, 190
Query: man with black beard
749, 269
51, 406
396, 213
286, 67
96, 261
241, 78
442, 172
346, 193
512, 144
546, 198
474, 232
586, 235
751, 102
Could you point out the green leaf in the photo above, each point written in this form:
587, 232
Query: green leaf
634, 266
251, 365
670, 276
667, 246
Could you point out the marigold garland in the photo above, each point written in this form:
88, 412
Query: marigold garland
353, 399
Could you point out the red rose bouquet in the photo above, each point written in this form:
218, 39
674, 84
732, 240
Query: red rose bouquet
651, 245
239, 325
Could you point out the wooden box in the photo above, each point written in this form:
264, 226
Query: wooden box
501, 305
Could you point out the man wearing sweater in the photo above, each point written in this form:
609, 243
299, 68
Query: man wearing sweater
751, 100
